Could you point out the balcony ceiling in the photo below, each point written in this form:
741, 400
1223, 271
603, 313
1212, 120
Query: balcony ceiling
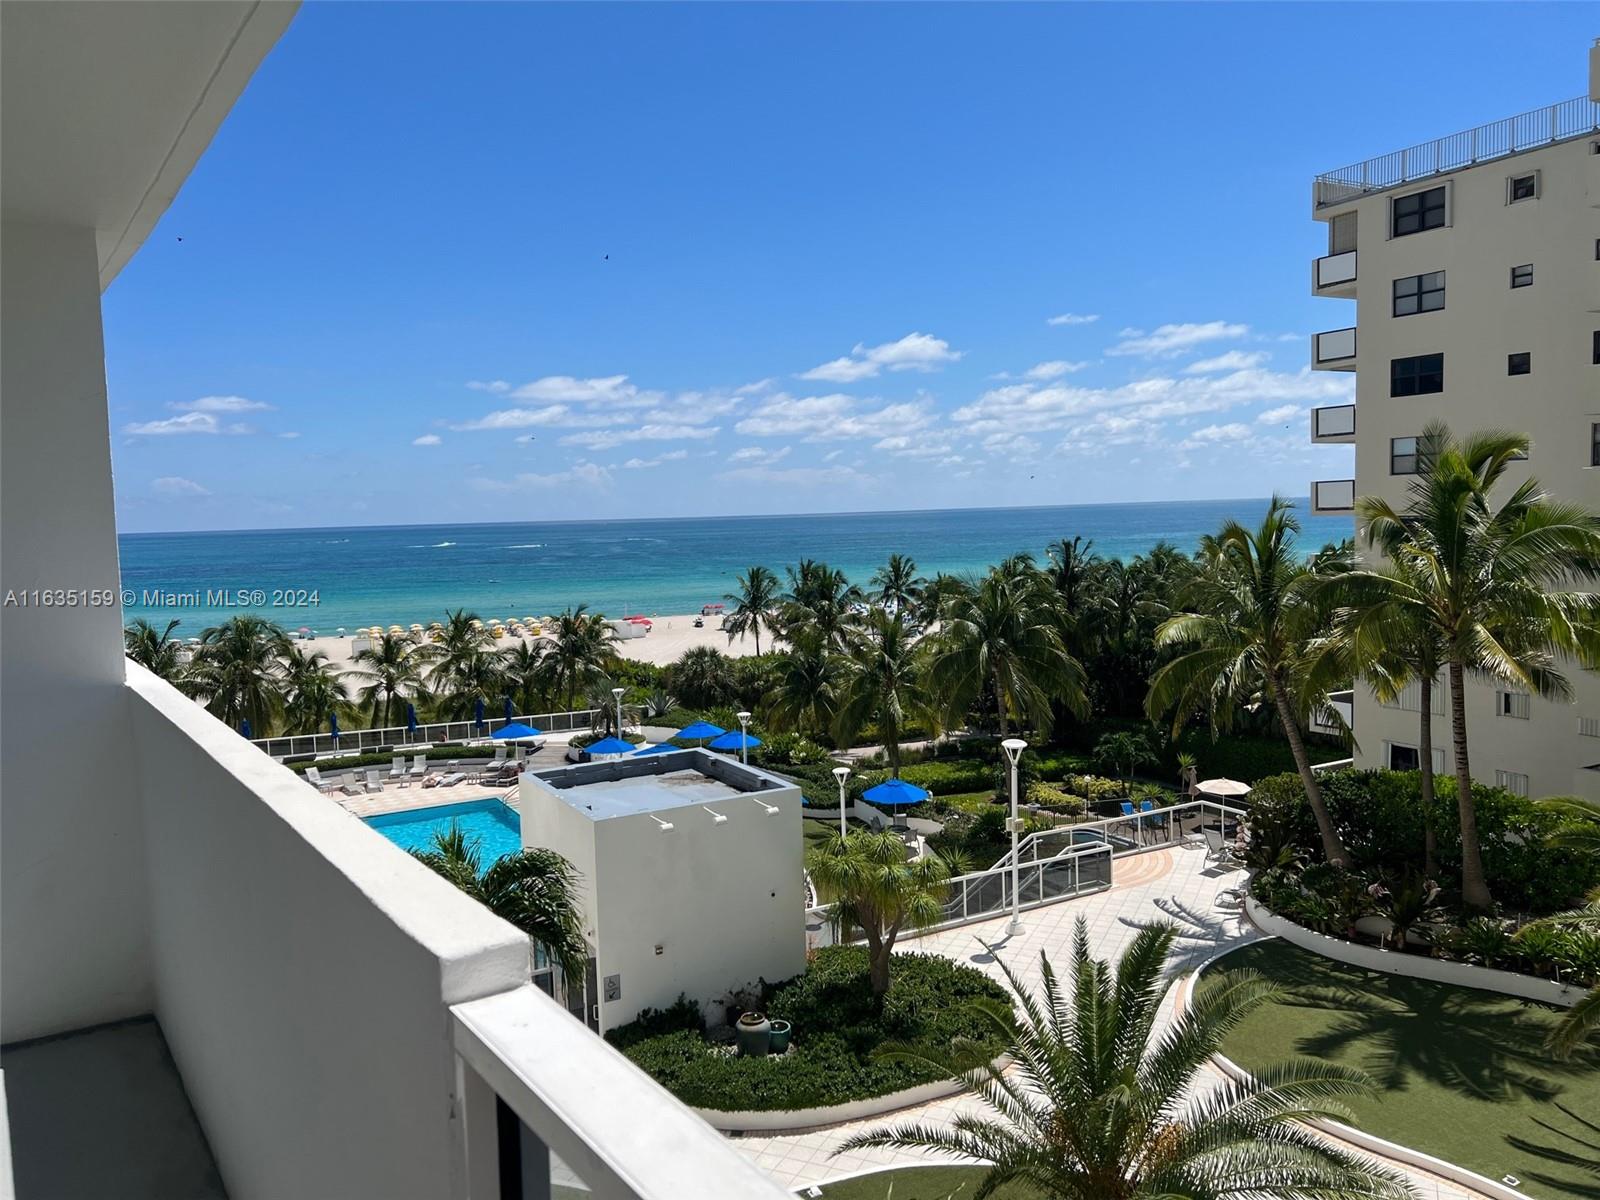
106, 106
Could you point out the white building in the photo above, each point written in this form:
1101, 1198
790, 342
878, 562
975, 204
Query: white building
212, 981
1474, 265
693, 881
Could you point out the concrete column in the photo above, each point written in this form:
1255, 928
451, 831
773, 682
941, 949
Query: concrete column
72, 874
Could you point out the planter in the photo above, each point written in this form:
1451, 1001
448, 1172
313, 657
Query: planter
780, 1036
753, 1035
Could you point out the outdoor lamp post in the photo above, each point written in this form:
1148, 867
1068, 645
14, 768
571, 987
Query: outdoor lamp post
744, 737
616, 694
1014, 748
841, 774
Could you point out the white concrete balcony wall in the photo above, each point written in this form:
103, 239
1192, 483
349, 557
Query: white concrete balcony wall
1334, 423
304, 968
1334, 275
1334, 350
1333, 496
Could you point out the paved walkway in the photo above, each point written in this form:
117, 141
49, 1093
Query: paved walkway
1173, 884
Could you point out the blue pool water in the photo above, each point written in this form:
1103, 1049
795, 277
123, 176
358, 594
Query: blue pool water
493, 822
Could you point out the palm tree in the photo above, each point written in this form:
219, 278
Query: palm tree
462, 639
820, 604
580, 646
1072, 565
1252, 614
237, 671
805, 689
897, 586
1097, 1106
867, 879
753, 604
523, 667
1497, 586
478, 677
702, 677
157, 651
1005, 632
312, 690
536, 890
391, 669
882, 680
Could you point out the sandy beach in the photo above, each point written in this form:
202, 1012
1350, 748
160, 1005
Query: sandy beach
668, 638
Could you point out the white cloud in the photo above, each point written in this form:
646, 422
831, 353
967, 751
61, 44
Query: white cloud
803, 477
581, 473
565, 389
914, 352
495, 387
1233, 432
177, 485
220, 404
190, 422
833, 417
605, 439
759, 454
517, 418
1073, 319
290, 434
1279, 415
1231, 360
427, 439
1168, 340
1054, 369
637, 464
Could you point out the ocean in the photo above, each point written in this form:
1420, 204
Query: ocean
327, 579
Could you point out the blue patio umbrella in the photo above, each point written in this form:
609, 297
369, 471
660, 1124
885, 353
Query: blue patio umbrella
333, 726
610, 745
244, 727
700, 731
509, 713
658, 748
895, 792
736, 741
411, 719
478, 713
515, 732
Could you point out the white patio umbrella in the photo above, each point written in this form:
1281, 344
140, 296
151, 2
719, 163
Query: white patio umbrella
1222, 787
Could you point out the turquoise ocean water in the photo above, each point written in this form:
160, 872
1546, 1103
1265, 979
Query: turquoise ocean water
414, 573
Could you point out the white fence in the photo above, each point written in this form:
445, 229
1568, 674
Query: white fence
1130, 833
366, 741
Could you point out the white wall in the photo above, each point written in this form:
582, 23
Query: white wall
73, 939
303, 968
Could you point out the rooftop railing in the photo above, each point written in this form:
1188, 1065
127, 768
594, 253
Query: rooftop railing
364, 741
1526, 131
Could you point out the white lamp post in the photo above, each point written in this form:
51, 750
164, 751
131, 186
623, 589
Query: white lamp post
744, 737
841, 774
1014, 748
616, 694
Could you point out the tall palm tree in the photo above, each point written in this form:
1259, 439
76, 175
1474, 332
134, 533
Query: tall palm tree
1005, 632
580, 646
523, 667
897, 586
754, 604
536, 890
1252, 613
237, 671
1072, 565
391, 670
155, 650
1098, 1106
477, 678
312, 690
805, 690
870, 884
821, 603
882, 682
1502, 587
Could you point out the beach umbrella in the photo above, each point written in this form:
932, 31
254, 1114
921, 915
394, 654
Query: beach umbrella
610, 745
895, 792
736, 740
411, 719
700, 731
477, 710
333, 726
515, 732
244, 727
1222, 787
658, 748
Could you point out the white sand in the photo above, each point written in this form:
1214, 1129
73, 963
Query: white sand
668, 638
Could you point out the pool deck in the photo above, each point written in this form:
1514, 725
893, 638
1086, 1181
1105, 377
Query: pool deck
402, 797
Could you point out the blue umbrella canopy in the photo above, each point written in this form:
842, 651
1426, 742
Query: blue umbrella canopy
658, 748
699, 731
333, 726
895, 792
411, 717
736, 741
610, 745
244, 727
515, 731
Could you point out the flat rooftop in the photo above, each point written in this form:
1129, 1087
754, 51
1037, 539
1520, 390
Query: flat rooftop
657, 783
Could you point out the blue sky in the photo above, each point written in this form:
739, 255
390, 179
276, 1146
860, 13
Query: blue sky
495, 262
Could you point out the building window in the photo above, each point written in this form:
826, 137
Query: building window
1511, 704
1403, 455
1594, 444
1522, 276
1342, 233
1514, 782
1404, 758
1416, 376
1419, 293
1414, 213
1589, 727
1519, 364
1522, 187
1597, 347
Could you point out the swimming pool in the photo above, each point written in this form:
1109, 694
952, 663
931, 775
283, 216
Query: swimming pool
490, 820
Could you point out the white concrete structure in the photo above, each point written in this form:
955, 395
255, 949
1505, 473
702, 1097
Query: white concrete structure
1474, 265
342, 1022
693, 880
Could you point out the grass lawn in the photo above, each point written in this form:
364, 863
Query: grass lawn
920, 1183
1462, 1074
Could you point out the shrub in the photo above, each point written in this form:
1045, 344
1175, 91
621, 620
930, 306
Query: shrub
837, 1026
791, 749
1057, 799
683, 1014
588, 739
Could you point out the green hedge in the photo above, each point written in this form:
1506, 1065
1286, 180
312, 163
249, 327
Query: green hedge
837, 1026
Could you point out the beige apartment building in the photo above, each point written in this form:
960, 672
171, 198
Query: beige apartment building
1474, 265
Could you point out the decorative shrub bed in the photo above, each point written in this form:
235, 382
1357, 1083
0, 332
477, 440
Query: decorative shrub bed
836, 1028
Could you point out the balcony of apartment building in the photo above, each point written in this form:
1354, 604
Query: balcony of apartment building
1333, 424
1334, 350
215, 983
1335, 717
1333, 497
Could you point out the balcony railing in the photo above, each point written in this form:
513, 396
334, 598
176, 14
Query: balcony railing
1526, 131
365, 741
1335, 274
1333, 423
1333, 496
1334, 350
1336, 716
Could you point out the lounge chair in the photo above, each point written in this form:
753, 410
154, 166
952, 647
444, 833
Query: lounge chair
453, 778
499, 755
373, 784
1127, 808
349, 787
419, 768
315, 779
397, 769
1217, 847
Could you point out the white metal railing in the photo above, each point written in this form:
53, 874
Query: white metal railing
1589, 727
1336, 716
1525, 131
1334, 345
1336, 268
1129, 833
1334, 420
1333, 496
359, 741
1333, 764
